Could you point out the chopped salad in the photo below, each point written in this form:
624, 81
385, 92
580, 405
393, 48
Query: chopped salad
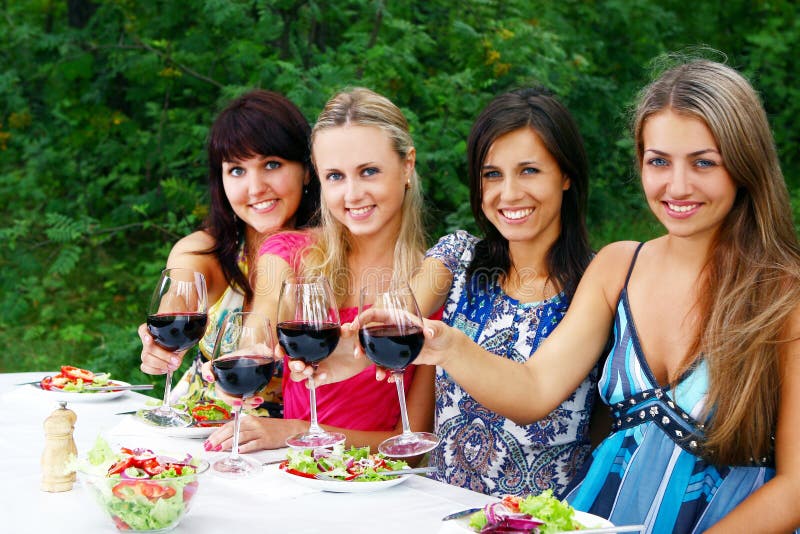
539, 514
139, 489
75, 380
356, 463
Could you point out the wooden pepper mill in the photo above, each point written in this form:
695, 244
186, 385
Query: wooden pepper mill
59, 446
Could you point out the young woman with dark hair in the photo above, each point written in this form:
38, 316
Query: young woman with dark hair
528, 177
260, 181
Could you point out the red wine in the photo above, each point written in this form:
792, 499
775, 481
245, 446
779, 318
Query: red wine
177, 331
308, 342
243, 376
388, 347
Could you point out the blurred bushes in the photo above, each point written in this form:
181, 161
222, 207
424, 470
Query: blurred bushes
105, 105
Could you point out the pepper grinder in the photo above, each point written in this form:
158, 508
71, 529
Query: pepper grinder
59, 446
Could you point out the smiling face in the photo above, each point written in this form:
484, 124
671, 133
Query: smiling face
363, 179
264, 192
684, 178
522, 189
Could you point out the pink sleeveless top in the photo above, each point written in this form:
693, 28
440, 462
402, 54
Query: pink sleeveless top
357, 403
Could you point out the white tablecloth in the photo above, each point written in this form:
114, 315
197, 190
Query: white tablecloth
265, 503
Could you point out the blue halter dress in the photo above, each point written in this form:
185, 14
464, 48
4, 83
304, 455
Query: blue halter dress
648, 470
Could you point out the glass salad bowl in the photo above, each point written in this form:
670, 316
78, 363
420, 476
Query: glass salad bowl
142, 491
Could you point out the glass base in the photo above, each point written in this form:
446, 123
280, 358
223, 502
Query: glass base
235, 467
315, 440
412, 444
165, 417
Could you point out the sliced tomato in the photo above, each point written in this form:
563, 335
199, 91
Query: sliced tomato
120, 466
153, 491
210, 412
285, 467
511, 502
151, 465
76, 373
120, 524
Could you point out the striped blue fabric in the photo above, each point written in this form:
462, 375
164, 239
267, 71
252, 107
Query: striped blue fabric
644, 473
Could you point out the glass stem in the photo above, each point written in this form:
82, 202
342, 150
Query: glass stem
314, 428
165, 405
236, 420
401, 395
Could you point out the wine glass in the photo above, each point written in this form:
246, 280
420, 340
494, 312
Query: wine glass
176, 319
308, 330
391, 336
242, 362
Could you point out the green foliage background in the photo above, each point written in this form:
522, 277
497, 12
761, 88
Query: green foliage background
105, 108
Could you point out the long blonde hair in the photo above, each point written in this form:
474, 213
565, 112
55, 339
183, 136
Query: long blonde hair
328, 256
751, 282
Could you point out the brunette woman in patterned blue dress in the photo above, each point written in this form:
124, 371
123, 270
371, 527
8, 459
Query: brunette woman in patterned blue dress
704, 374
528, 177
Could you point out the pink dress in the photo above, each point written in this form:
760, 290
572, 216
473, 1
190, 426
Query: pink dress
357, 403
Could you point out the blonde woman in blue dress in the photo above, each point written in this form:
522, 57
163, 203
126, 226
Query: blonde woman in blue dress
703, 378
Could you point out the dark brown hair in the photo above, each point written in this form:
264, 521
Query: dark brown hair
258, 123
538, 109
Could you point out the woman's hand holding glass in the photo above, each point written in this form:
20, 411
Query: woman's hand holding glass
308, 330
242, 364
176, 320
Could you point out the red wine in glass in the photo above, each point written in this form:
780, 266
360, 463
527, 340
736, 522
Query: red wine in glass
176, 319
391, 336
243, 375
390, 346
308, 330
242, 362
177, 331
308, 342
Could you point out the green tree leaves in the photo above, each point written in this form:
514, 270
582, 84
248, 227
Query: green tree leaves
105, 108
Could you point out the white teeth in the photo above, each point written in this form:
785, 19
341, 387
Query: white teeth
264, 205
681, 209
360, 211
516, 214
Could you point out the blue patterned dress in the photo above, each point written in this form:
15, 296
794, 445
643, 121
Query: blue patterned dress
647, 471
480, 449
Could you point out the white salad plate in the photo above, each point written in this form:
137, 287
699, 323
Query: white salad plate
345, 486
461, 525
85, 396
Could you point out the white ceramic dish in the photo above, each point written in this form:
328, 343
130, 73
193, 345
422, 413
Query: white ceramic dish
191, 432
587, 520
85, 396
345, 486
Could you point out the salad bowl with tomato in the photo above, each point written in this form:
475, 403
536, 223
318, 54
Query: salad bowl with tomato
139, 490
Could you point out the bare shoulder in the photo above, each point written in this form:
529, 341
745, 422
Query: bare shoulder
614, 258
792, 328
609, 268
193, 243
188, 252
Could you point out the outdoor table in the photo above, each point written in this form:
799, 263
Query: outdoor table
267, 502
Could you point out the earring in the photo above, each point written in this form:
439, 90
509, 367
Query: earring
305, 190
408, 185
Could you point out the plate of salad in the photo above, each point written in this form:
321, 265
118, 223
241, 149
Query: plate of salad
71, 383
537, 514
139, 489
356, 469
207, 416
